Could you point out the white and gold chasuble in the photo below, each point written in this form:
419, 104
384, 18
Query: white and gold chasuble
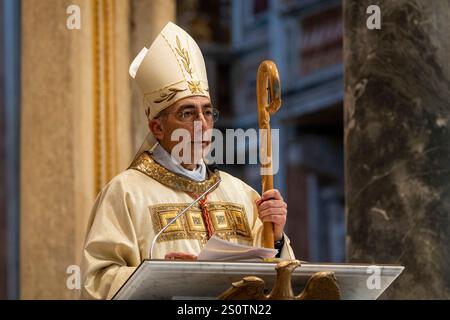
136, 204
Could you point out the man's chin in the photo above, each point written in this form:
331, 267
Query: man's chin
203, 144
202, 147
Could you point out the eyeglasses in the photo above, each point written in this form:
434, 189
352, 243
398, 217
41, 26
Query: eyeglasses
211, 115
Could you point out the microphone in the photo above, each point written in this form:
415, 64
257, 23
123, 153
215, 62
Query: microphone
179, 215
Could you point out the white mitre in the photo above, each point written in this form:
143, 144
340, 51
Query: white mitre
171, 69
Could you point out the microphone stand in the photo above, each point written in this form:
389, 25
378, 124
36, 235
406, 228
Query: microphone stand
179, 215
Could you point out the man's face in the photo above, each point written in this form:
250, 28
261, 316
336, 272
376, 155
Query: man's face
193, 114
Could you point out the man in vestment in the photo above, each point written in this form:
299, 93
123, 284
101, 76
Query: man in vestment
136, 204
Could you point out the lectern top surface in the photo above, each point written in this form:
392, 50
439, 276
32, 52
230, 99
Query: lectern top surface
162, 279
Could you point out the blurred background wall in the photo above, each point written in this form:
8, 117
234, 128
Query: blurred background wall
304, 38
74, 91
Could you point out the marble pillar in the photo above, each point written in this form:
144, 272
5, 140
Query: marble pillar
397, 150
75, 132
3, 174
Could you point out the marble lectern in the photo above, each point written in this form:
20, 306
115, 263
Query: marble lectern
162, 279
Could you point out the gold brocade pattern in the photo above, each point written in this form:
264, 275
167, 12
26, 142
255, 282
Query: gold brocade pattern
229, 222
184, 55
145, 164
167, 96
195, 87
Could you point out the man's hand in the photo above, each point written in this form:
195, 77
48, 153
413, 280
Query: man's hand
272, 208
179, 256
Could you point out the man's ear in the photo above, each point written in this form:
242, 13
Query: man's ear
156, 127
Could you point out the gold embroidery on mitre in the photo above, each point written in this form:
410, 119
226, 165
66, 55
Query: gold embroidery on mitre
168, 95
145, 164
184, 55
195, 86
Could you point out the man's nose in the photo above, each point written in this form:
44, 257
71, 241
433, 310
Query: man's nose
202, 118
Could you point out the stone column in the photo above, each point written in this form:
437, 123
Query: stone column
397, 133
75, 132
3, 165
148, 17
9, 147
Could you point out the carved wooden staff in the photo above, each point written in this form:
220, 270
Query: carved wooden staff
269, 100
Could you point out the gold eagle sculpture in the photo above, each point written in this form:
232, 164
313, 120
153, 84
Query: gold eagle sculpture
321, 286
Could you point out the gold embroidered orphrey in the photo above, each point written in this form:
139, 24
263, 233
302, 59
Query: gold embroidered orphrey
229, 222
144, 163
229, 219
321, 286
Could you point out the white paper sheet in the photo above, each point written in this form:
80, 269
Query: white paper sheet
220, 250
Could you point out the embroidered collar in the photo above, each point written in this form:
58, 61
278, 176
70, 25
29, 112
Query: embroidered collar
147, 165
